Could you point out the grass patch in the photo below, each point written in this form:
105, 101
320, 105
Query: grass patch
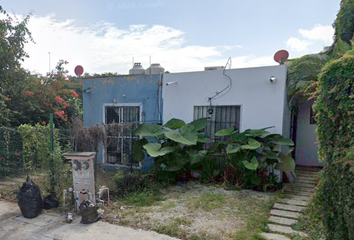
143, 199
256, 217
309, 224
173, 228
208, 201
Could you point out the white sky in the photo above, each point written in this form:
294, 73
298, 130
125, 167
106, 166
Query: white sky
104, 36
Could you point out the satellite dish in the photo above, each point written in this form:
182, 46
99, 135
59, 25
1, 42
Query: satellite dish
79, 70
281, 56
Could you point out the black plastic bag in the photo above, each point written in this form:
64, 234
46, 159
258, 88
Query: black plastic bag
50, 201
29, 199
88, 212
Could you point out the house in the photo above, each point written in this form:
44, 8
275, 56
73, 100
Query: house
248, 98
126, 99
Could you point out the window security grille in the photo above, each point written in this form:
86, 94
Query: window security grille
221, 117
119, 139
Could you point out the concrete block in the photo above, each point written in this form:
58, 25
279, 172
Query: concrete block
293, 202
285, 230
282, 221
285, 214
287, 207
274, 236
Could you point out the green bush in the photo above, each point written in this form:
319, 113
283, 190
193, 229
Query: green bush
127, 182
335, 130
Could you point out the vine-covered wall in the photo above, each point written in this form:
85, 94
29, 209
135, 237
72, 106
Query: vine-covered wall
335, 117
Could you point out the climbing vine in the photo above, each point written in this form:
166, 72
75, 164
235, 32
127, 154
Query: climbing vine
335, 130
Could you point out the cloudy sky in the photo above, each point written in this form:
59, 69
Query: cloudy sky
182, 35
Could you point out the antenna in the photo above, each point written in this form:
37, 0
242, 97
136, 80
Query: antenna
281, 56
79, 70
49, 62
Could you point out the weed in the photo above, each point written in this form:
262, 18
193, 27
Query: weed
127, 182
208, 201
173, 228
143, 199
256, 219
169, 205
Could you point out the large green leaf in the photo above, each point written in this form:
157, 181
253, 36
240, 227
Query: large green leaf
155, 150
286, 163
233, 148
239, 137
147, 130
214, 147
138, 153
255, 132
197, 157
199, 124
175, 162
253, 165
225, 132
186, 135
203, 138
175, 123
252, 144
284, 141
271, 155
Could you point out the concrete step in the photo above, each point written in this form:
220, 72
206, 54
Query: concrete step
307, 173
282, 221
297, 197
300, 185
287, 207
302, 189
306, 177
293, 202
298, 193
274, 236
312, 182
285, 214
285, 230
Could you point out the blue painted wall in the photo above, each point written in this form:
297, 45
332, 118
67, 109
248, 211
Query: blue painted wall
124, 89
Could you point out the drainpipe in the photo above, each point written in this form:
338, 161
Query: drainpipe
160, 98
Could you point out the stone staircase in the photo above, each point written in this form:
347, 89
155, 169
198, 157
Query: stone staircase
287, 210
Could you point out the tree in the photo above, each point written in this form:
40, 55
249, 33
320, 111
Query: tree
302, 76
13, 36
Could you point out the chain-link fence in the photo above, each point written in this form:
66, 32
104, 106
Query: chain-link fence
10, 152
29, 148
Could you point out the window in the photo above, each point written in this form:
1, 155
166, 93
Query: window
221, 117
119, 139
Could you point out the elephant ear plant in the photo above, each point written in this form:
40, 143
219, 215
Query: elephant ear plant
254, 154
246, 159
176, 146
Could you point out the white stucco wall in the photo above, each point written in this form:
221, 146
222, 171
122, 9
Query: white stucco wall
262, 102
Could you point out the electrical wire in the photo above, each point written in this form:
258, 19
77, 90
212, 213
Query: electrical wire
228, 88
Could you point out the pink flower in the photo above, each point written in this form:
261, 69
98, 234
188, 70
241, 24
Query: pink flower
58, 99
74, 94
29, 93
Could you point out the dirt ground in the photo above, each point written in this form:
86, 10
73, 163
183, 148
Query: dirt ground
194, 211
